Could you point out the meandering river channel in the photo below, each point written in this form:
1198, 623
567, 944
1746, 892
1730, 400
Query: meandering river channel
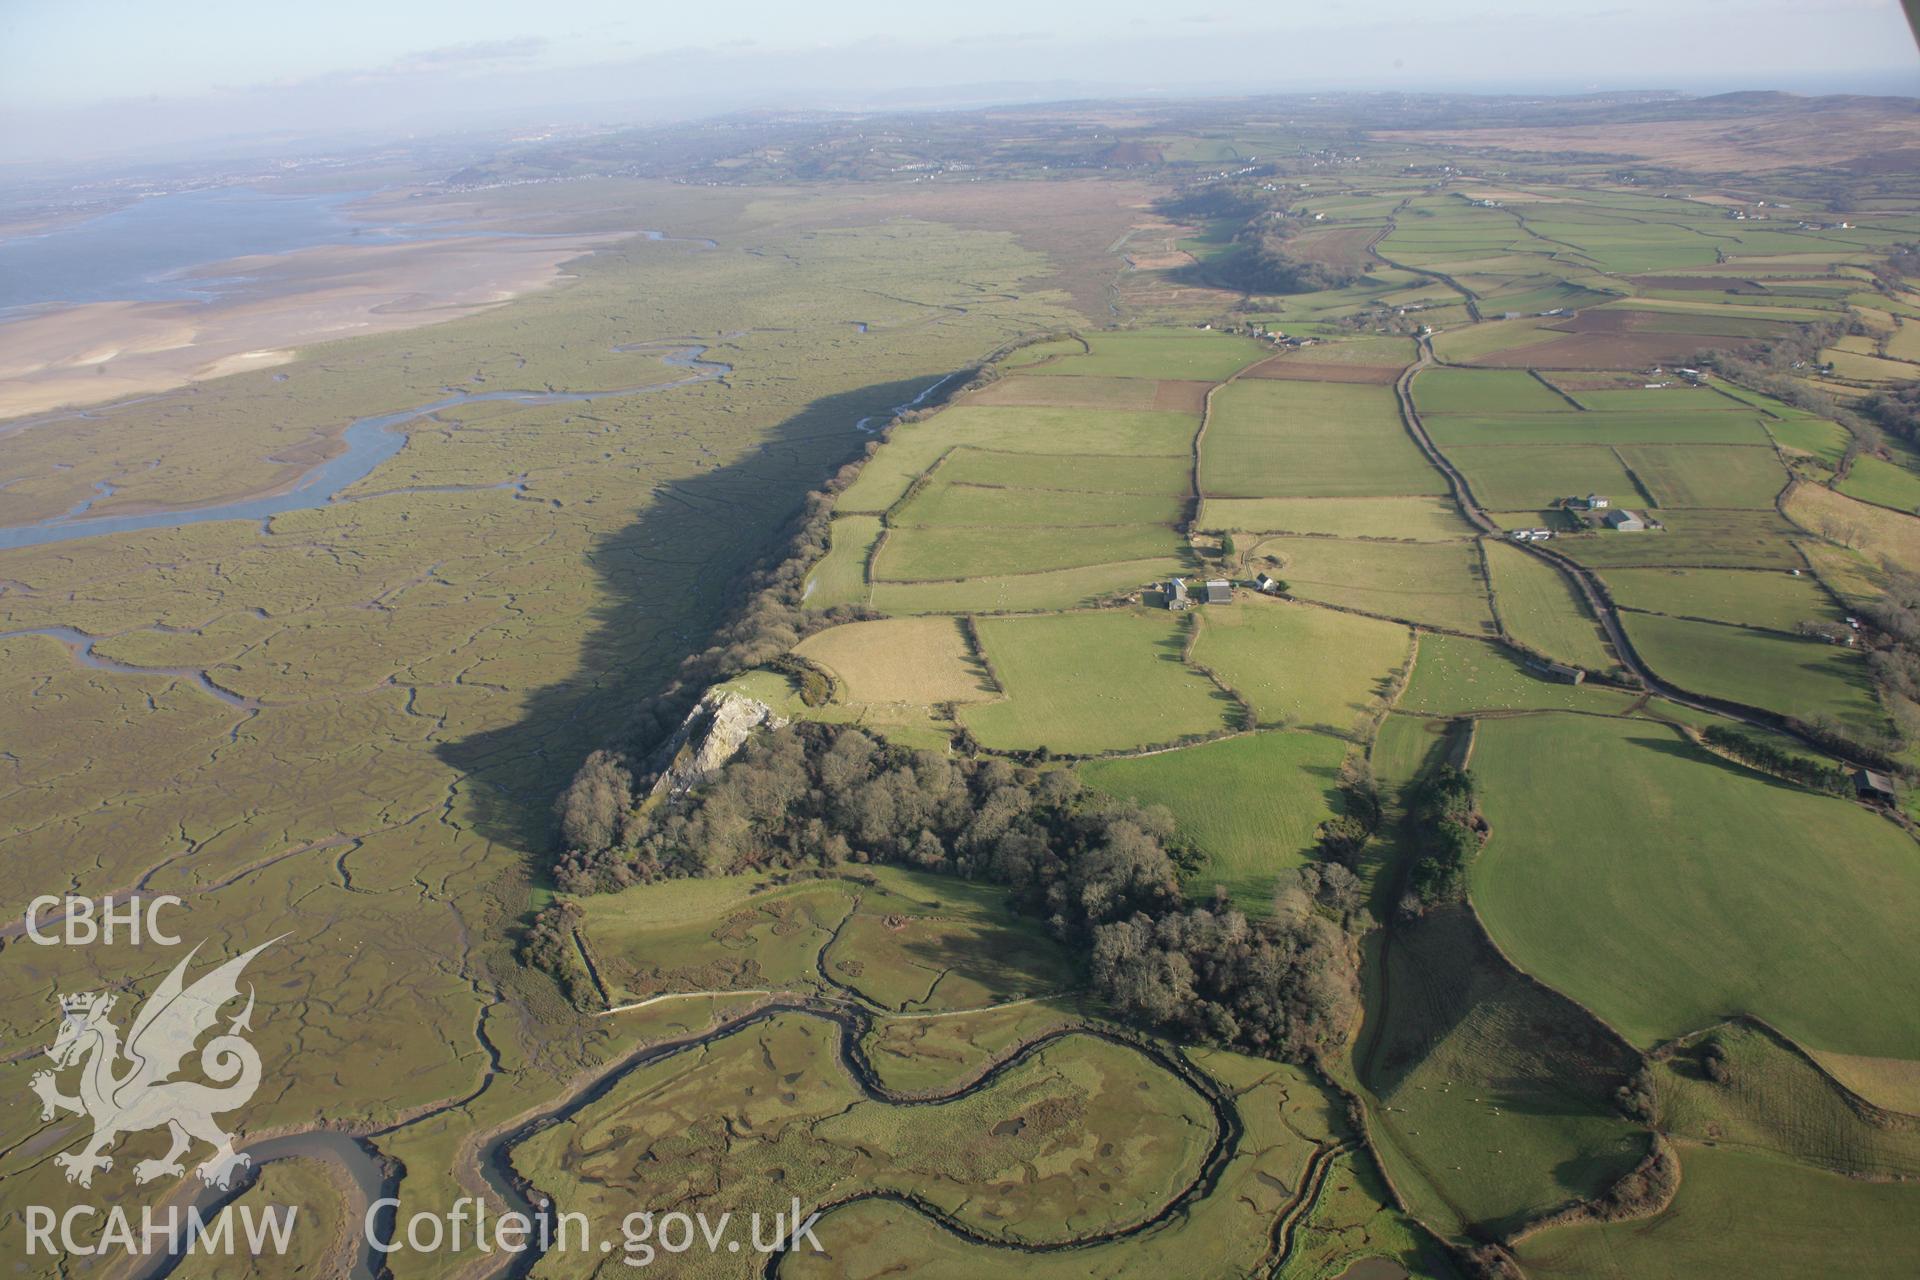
370, 441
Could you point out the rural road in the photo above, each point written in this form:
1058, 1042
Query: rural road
1583, 578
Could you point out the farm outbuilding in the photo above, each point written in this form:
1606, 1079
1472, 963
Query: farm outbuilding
1176, 593
1219, 591
1869, 784
1625, 521
1559, 672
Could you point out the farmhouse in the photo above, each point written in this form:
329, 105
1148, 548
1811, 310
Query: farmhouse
1559, 672
1625, 521
1597, 503
1267, 583
1219, 591
1874, 787
1176, 592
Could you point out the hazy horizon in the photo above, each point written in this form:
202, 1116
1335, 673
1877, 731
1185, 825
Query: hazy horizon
96, 80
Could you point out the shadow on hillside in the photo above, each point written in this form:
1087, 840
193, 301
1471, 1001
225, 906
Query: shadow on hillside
670, 579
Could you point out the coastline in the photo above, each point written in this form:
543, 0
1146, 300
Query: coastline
77, 355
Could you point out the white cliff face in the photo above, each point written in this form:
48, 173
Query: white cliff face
711, 735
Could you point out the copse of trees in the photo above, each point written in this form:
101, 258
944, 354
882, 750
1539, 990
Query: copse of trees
1215, 200
1345, 835
1104, 873
1259, 260
1896, 410
548, 945
1283, 989
1446, 822
1768, 758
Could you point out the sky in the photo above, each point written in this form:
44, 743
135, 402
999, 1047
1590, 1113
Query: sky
80, 78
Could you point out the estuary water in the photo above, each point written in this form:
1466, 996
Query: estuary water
139, 253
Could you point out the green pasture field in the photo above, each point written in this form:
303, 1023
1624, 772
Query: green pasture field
1402, 748
746, 931
1402, 519
962, 551
1559, 295
1723, 891
1793, 1222
1253, 804
1454, 676
1027, 592
1485, 391
1542, 610
1792, 675
1678, 400
1046, 429
1038, 352
1467, 343
1728, 539
940, 963
917, 660
1707, 475
906, 724
1651, 248
1757, 598
1773, 1099
733, 933
1863, 368
841, 575
1090, 473
1848, 574
1495, 1096
1523, 477
1193, 354
1088, 393
1300, 665
1883, 484
1434, 583
1904, 342
1084, 683
1892, 1083
1679, 310
670, 1129
1449, 430
915, 446
1769, 405
1804, 433
942, 504
1273, 439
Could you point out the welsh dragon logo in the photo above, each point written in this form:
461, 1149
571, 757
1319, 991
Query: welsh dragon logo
128, 1088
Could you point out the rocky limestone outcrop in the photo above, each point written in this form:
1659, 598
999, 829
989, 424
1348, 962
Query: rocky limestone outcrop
711, 735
